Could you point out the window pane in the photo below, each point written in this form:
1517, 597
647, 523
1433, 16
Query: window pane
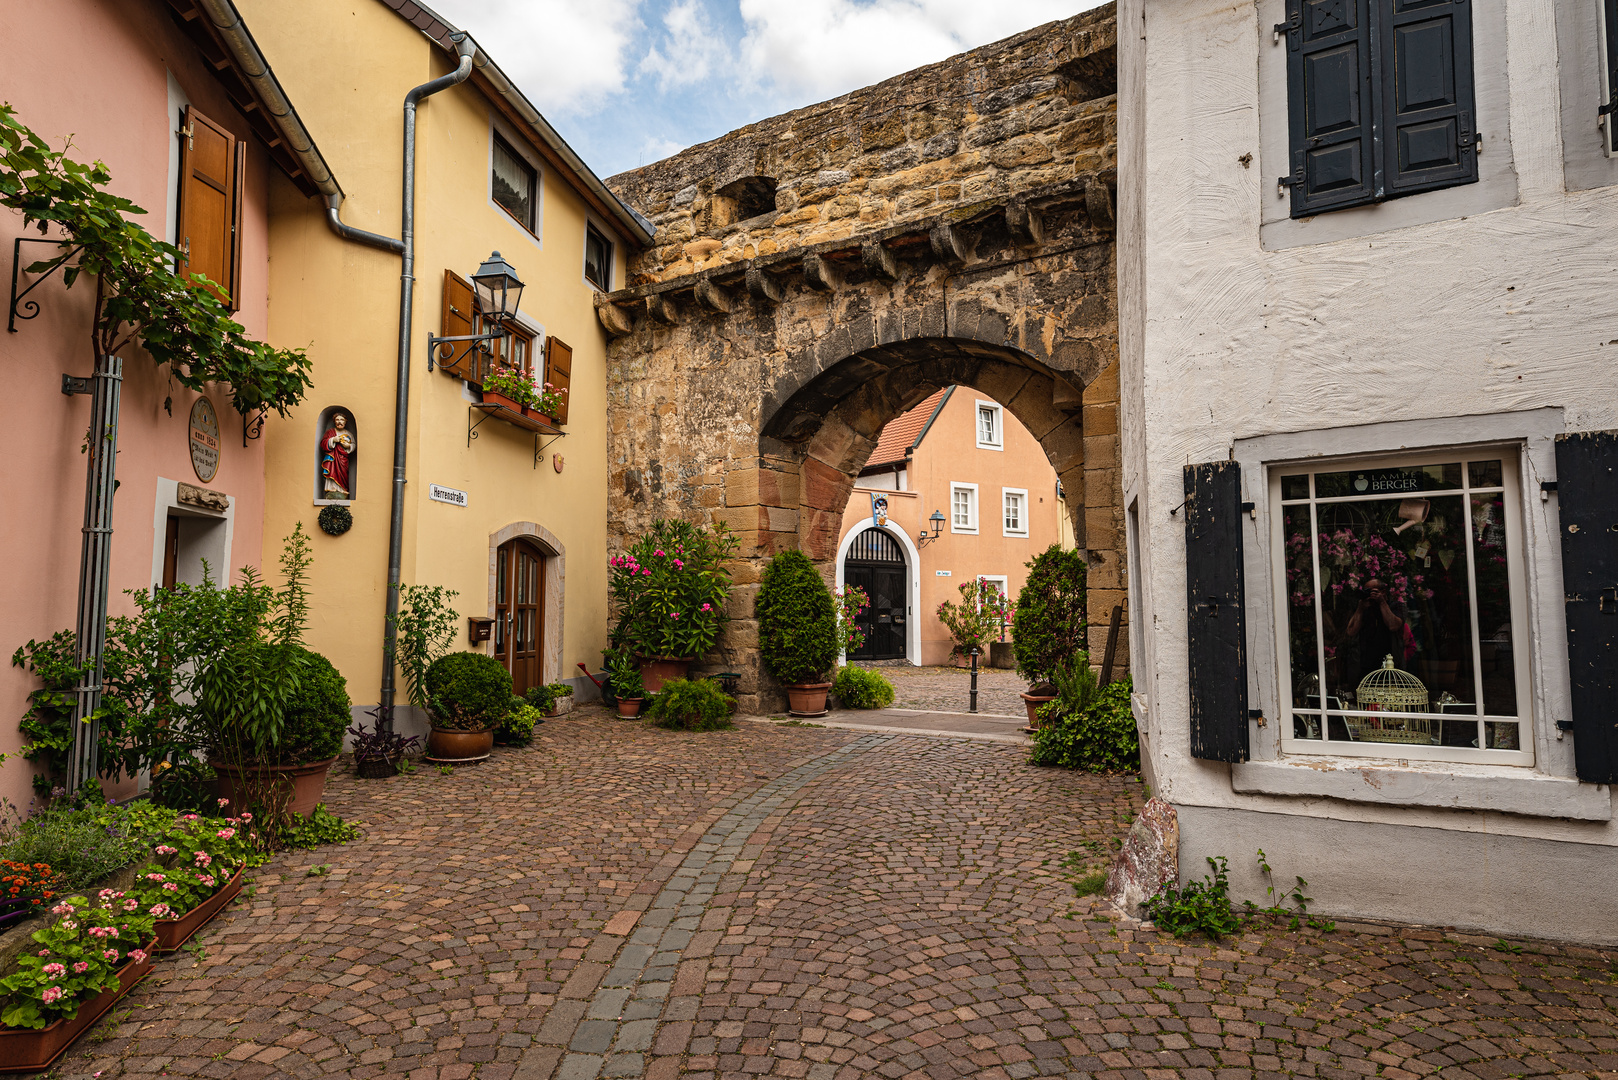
513, 184
1394, 585
1301, 633
1484, 473
1393, 481
1295, 487
986, 425
1502, 736
1495, 658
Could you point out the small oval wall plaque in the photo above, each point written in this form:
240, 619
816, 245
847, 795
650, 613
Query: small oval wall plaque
204, 440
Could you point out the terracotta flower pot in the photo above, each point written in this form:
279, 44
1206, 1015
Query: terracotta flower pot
32, 1050
172, 933
308, 783
657, 670
459, 745
808, 699
629, 708
1034, 701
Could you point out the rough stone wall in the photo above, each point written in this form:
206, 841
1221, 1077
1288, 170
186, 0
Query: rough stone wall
950, 225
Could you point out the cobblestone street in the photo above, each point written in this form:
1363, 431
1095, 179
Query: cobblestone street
944, 689
797, 902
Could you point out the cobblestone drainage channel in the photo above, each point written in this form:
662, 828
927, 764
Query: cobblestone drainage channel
616, 1032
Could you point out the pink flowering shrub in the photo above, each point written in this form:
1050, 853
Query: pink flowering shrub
668, 590
82, 954
185, 873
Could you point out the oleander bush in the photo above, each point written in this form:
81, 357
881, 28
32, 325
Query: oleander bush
858, 688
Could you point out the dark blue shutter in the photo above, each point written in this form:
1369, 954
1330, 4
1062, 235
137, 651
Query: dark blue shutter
1429, 127
1587, 491
1216, 640
1332, 101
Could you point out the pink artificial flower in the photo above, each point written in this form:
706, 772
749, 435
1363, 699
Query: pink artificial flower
80, 968
54, 971
225, 834
51, 994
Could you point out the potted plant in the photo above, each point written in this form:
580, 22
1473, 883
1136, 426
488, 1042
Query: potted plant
624, 680
561, 699
91, 956
468, 694
198, 870
1048, 626
668, 592
692, 705
510, 387
377, 753
797, 630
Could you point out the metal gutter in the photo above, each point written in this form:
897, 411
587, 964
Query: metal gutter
928, 426
438, 29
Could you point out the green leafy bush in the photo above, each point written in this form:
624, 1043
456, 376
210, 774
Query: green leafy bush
81, 844
467, 691
517, 729
424, 631
1087, 727
669, 589
321, 827
623, 675
317, 714
797, 620
1200, 905
691, 705
858, 688
1048, 626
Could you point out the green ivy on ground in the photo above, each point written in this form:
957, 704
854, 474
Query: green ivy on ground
322, 827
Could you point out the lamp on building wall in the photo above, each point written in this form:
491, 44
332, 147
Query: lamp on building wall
499, 289
937, 520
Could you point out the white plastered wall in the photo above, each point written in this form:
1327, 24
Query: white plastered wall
1483, 315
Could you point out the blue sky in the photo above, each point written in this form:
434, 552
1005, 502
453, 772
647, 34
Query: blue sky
627, 82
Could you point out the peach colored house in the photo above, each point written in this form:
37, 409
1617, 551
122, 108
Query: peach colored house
962, 456
152, 92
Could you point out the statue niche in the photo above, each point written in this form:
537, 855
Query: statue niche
335, 478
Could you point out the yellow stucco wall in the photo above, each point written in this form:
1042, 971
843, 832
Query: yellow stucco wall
349, 68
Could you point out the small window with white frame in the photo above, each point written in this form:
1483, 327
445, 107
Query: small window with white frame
1400, 599
597, 259
991, 428
963, 508
514, 185
1015, 504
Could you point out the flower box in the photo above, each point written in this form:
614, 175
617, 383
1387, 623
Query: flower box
33, 1049
503, 408
172, 933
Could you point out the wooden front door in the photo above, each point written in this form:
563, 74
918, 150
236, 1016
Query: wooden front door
519, 594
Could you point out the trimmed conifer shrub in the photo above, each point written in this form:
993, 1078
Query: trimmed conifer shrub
1049, 625
797, 620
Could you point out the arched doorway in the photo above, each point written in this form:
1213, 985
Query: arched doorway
876, 564
519, 603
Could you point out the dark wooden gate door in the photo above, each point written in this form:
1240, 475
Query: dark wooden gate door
876, 564
518, 602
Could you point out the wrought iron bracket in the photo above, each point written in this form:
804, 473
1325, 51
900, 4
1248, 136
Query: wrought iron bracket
74, 384
32, 306
449, 359
488, 411
252, 429
540, 448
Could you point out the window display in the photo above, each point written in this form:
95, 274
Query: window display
1399, 609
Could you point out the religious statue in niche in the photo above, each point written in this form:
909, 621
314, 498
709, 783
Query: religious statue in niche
336, 453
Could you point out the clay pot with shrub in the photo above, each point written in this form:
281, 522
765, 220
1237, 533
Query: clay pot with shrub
797, 630
468, 694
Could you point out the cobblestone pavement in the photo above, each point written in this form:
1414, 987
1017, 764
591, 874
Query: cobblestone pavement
797, 902
944, 689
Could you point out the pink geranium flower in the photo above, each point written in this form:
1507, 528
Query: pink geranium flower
80, 968
54, 971
225, 834
51, 994
138, 955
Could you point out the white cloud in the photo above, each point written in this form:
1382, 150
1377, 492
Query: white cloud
828, 47
566, 56
690, 48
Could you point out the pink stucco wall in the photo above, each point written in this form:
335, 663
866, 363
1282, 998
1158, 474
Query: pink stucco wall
98, 70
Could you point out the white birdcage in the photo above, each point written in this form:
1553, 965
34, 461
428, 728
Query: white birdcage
1391, 690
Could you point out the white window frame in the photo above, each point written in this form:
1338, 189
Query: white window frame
1001, 580
1022, 513
972, 506
1510, 459
523, 150
999, 411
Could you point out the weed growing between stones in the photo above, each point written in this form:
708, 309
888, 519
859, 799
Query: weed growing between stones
1205, 905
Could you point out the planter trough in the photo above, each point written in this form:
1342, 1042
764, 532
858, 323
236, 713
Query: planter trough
33, 1050
172, 933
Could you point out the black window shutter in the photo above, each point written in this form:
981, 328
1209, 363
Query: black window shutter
1609, 67
1332, 100
1428, 126
1216, 639
1587, 490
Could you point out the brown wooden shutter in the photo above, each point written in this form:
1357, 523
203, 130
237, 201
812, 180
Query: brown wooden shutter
237, 199
559, 372
208, 203
459, 307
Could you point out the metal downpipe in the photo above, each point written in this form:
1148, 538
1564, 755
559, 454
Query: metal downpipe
401, 413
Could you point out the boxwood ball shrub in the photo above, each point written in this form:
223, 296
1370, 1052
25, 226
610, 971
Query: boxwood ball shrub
691, 705
316, 716
797, 620
468, 691
858, 688
1048, 625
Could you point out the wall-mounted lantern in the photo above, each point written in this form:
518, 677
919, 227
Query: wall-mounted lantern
937, 520
499, 291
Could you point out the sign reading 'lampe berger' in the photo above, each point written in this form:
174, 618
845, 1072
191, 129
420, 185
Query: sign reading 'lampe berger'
441, 494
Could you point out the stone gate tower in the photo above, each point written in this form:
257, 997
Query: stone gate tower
818, 273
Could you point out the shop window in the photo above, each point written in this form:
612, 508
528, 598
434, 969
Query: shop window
1015, 501
963, 506
514, 185
1401, 599
1380, 100
212, 162
991, 428
597, 259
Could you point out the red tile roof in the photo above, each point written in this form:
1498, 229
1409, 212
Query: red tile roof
904, 432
